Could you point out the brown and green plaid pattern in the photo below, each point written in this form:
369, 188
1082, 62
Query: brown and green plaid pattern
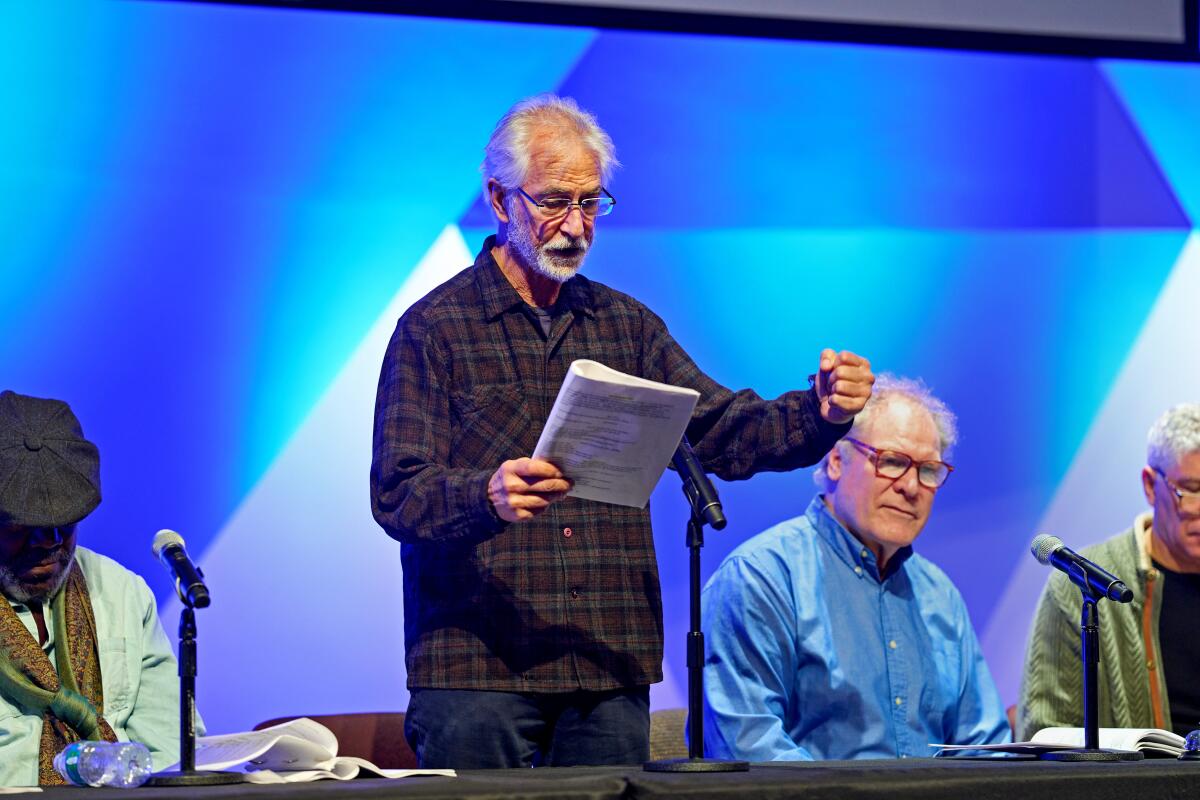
569, 600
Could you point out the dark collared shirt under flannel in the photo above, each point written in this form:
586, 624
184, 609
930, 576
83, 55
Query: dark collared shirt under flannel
570, 599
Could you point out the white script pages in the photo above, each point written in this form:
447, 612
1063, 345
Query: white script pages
296, 751
1151, 742
613, 434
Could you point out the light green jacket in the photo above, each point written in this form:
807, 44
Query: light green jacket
137, 670
1132, 689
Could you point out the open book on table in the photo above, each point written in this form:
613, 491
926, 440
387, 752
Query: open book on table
1151, 742
613, 434
292, 752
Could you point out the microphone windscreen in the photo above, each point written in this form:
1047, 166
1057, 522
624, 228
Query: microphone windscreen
164, 539
1043, 545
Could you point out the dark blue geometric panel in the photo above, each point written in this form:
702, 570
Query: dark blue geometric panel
1131, 189
1163, 101
723, 133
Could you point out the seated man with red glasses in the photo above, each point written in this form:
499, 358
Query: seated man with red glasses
828, 637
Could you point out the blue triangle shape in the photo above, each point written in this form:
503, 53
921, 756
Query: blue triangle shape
1131, 189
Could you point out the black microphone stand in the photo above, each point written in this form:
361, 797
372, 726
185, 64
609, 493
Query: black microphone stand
1089, 626
705, 508
187, 774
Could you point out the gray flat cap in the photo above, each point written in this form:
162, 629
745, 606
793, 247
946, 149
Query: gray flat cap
49, 473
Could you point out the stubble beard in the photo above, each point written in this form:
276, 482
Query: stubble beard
24, 591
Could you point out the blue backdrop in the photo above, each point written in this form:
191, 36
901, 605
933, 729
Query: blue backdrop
210, 218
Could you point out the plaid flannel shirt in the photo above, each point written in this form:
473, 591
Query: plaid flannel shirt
569, 600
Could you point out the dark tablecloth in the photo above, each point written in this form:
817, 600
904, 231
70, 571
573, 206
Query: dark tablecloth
910, 779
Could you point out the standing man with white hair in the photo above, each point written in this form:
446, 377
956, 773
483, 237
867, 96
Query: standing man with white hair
533, 621
828, 637
1149, 648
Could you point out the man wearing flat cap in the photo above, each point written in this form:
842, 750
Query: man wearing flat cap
82, 652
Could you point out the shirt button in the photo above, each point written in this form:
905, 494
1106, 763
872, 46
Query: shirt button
892, 644
898, 701
567, 532
858, 570
863, 553
575, 594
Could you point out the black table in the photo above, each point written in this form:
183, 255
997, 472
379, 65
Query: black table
906, 779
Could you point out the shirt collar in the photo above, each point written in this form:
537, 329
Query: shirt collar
499, 295
853, 553
23, 612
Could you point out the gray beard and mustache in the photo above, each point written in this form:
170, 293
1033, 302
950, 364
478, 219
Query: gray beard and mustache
23, 592
547, 259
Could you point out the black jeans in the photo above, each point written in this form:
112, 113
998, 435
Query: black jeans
471, 729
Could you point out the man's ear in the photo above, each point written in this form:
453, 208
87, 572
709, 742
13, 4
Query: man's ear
496, 199
833, 463
1148, 484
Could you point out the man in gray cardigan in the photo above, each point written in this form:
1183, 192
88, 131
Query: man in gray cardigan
1148, 648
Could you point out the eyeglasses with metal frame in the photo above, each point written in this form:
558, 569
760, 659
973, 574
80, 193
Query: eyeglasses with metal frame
556, 206
892, 464
1181, 495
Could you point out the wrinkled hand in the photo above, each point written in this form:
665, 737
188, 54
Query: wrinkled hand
843, 385
523, 488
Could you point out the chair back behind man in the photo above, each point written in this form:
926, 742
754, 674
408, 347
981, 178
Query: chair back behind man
667, 738
376, 736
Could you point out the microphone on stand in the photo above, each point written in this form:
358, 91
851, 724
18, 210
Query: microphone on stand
705, 509
696, 484
1087, 575
189, 580
189, 583
1095, 583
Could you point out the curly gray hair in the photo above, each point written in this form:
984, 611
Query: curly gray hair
1173, 435
888, 386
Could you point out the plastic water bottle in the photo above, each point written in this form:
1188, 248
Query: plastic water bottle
122, 765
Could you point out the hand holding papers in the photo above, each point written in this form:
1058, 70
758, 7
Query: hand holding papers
612, 433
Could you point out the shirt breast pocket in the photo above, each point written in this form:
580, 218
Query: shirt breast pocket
115, 669
942, 674
491, 424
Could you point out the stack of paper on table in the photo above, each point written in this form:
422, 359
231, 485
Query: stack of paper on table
1152, 742
292, 752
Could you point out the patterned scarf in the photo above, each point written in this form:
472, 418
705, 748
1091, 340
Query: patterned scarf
71, 699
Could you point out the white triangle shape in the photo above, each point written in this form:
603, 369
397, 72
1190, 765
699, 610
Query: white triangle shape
307, 601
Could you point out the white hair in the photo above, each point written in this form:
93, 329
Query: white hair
887, 387
506, 157
1173, 435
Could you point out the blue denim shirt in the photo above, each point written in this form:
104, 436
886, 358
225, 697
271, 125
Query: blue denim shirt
137, 669
812, 656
